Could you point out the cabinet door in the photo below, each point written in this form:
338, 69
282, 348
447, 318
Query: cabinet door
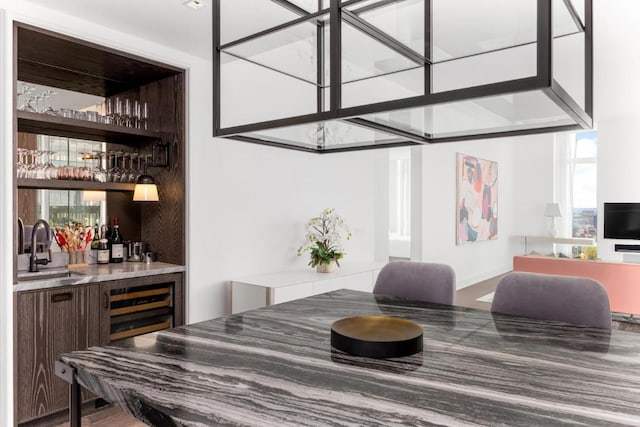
47, 324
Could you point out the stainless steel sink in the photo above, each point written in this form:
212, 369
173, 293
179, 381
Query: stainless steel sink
44, 274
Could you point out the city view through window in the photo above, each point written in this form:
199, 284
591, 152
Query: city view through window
584, 185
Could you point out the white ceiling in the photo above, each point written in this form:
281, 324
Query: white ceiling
166, 22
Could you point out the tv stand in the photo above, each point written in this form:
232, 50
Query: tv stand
626, 248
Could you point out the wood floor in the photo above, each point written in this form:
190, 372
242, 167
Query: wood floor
110, 416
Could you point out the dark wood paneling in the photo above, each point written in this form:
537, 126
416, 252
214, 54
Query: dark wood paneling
121, 205
47, 324
80, 66
27, 205
164, 222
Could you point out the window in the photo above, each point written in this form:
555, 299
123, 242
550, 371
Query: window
576, 183
400, 194
584, 206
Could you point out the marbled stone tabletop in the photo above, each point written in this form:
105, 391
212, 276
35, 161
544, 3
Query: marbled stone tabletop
275, 367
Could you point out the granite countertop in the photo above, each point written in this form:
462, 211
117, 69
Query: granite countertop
275, 367
84, 274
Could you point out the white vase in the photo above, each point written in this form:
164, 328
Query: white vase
327, 268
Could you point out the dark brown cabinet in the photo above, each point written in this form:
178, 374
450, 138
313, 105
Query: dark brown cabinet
47, 324
59, 320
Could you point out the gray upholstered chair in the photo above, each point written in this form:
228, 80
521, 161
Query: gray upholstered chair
574, 300
418, 281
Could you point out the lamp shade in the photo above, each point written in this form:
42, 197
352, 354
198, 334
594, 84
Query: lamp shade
145, 190
552, 210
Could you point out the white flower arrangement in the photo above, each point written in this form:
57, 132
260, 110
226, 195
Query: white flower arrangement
324, 238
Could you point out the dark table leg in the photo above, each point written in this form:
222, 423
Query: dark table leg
67, 373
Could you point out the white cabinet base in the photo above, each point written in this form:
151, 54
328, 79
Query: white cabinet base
253, 292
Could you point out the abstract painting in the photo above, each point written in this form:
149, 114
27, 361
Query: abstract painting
477, 199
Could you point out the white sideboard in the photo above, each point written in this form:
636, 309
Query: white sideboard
248, 293
532, 241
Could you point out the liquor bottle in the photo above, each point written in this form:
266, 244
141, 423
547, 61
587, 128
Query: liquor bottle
103, 252
117, 242
95, 243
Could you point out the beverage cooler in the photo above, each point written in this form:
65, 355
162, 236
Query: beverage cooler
138, 307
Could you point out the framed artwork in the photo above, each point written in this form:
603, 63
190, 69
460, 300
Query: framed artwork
477, 199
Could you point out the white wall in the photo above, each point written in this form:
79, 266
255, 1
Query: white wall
525, 184
533, 180
472, 261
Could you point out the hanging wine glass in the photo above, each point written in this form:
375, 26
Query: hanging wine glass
22, 167
115, 171
133, 173
99, 173
124, 173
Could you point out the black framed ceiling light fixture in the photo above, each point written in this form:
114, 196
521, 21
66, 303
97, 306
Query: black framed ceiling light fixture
339, 75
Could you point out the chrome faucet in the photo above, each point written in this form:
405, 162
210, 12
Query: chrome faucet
33, 259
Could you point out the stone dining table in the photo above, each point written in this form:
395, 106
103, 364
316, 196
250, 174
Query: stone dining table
275, 367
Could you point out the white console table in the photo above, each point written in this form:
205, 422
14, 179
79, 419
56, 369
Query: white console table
529, 240
248, 293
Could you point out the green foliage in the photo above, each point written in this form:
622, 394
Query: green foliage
321, 254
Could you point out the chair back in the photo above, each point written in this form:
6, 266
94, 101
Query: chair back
418, 281
574, 300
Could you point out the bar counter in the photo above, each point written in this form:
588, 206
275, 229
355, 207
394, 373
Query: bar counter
94, 273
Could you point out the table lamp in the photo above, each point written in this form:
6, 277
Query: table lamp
552, 210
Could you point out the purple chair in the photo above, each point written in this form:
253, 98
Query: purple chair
418, 281
574, 300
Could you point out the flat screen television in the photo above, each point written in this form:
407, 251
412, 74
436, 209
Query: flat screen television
622, 221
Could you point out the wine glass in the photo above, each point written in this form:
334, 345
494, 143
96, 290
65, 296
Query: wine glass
24, 92
136, 114
126, 113
46, 96
117, 111
22, 165
144, 116
108, 112
114, 172
124, 173
133, 172
99, 173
